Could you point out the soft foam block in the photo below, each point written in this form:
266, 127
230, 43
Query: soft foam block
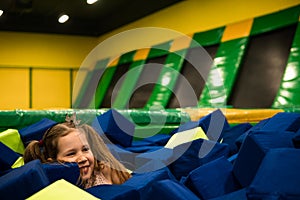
22, 182
191, 155
67, 171
114, 192
212, 179
12, 139
7, 157
214, 125
253, 151
142, 182
36, 130
278, 176
116, 127
169, 189
62, 189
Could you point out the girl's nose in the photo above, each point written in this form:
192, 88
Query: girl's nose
81, 159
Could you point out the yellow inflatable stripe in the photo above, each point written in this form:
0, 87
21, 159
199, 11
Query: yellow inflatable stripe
62, 189
234, 116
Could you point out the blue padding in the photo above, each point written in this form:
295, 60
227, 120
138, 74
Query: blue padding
212, 179
114, 192
239, 141
142, 149
7, 157
151, 161
158, 139
213, 124
22, 182
278, 176
237, 195
168, 189
186, 126
253, 151
189, 156
296, 139
279, 122
232, 134
36, 130
68, 171
116, 127
142, 182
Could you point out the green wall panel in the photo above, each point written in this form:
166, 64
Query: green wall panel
131, 79
167, 79
288, 95
275, 20
127, 57
208, 38
160, 49
223, 73
79, 101
103, 86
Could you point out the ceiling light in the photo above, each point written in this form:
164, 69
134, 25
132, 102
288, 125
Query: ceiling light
91, 1
1, 12
63, 18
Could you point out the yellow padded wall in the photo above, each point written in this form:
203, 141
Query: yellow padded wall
51, 89
14, 88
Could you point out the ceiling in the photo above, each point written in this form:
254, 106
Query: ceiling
41, 16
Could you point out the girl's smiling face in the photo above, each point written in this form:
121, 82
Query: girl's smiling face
74, 147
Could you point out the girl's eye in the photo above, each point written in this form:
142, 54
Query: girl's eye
86, 148
70, 154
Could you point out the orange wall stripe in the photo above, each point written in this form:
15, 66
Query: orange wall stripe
237, 30
113, 61
141, 54
181, 43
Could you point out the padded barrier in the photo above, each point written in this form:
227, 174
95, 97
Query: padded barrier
22, 118
233, 115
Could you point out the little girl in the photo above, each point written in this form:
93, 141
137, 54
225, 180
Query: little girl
69, 142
